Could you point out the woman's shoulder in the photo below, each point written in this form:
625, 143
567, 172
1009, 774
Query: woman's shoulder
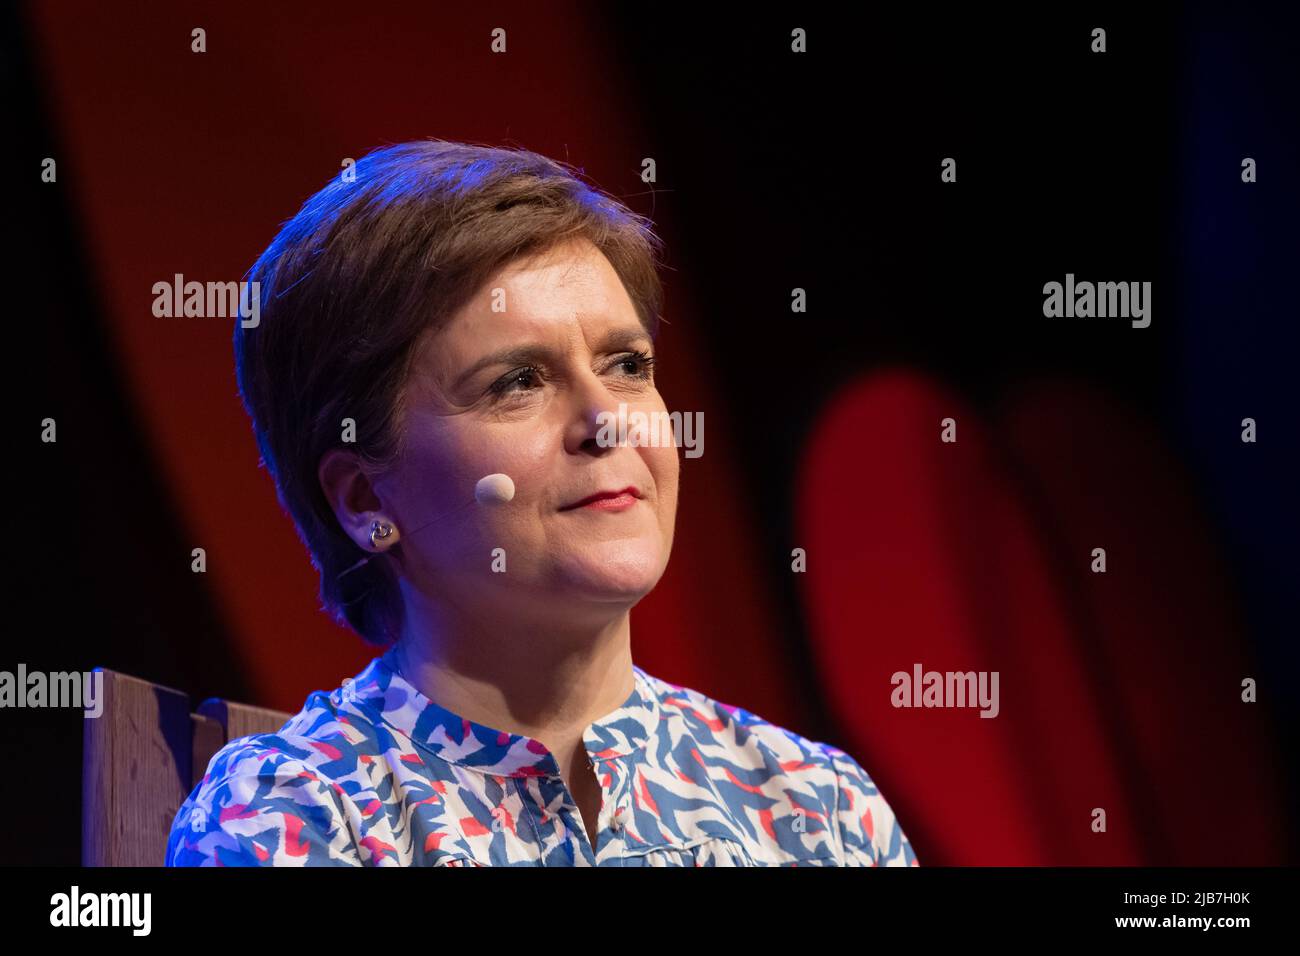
765, 757
733, 727
321, 733
290, 784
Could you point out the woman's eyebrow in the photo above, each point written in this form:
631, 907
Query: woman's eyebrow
614, 340
512, 355
617, 339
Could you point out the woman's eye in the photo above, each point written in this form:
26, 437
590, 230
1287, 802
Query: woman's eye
636, 364
526, 377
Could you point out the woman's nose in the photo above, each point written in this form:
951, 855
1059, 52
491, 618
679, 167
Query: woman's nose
593, 412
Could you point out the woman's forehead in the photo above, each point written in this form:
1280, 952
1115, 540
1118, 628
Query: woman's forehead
549, 308
473, 339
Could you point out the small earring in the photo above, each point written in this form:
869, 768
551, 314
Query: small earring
385, 532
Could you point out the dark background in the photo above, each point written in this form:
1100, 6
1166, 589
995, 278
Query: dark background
776, 171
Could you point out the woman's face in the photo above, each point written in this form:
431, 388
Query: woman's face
514, 384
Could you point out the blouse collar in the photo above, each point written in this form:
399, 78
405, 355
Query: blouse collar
386, 696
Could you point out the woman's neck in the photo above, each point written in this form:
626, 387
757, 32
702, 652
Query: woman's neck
541, 679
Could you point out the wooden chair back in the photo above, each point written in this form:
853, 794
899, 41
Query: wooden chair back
143, 756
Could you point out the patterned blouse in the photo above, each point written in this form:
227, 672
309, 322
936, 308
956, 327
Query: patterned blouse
374, 773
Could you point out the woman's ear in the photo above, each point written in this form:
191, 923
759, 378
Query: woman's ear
352, 496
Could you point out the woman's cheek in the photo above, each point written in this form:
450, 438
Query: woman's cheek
521, 454
666, 482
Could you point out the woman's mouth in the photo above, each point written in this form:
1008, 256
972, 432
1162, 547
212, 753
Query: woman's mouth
619, 500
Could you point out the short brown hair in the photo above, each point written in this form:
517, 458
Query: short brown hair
350, 284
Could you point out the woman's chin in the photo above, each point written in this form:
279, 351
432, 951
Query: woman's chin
619, 575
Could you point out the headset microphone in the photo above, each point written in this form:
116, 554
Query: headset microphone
494, 489
491, 490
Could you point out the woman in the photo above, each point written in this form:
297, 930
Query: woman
441, 341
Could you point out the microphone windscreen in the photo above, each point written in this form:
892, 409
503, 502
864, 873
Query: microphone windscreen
494, 489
